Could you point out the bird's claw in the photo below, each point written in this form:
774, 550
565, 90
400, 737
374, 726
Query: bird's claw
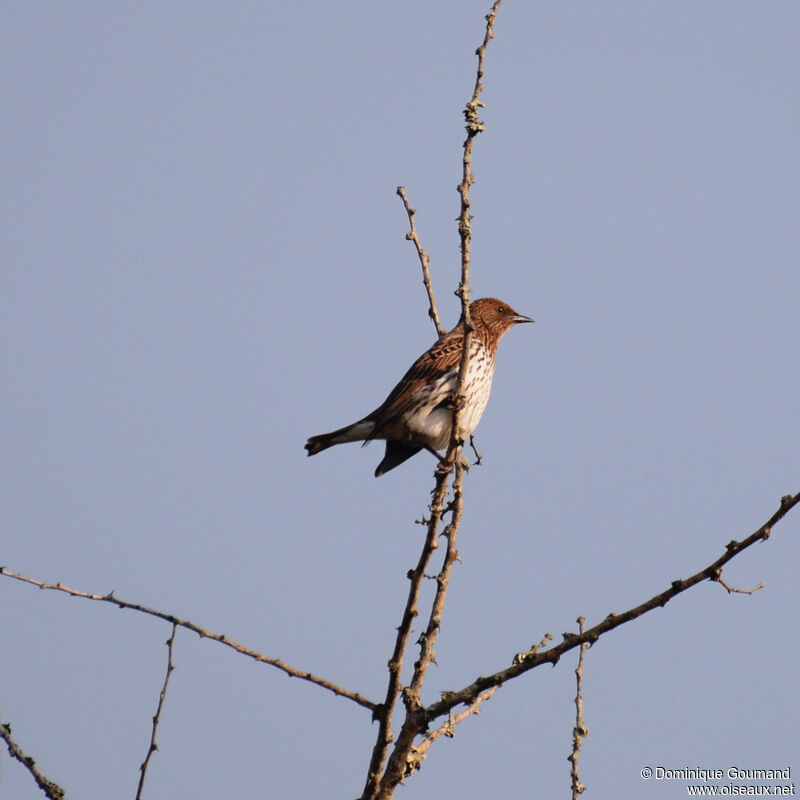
444, 467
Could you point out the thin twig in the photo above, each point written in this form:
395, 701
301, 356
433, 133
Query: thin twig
420, 751
733, 589
474, 126
580, 730
428, 638
221, 638
157, 718
467, 694
52, 790
424, 260
534, 649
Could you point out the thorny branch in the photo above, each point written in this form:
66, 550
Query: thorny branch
396, 765
51, 790
387, 769
527, 661
474, 126
472, 695
183, 623
419, 752
733, 589
157, 718
424, 260
383, 713
418, 719
580, 730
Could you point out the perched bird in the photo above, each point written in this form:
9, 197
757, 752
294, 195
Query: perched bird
418, 413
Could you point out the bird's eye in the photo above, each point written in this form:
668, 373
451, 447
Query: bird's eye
501, 309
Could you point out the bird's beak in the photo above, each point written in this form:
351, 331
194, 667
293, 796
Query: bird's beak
521, 318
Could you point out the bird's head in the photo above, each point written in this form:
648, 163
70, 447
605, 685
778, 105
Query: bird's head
494, 317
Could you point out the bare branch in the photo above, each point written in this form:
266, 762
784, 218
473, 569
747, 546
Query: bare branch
524, 662
534, 649
427, 639
400, 762
216, 637
733, 589
474, 127
385, 711
419, 752
52, 790
424, 260
580, 730
157, 718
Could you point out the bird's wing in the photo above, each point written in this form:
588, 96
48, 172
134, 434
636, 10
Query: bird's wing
434, 364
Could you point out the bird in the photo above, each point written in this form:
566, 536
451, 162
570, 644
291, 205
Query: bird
418, 413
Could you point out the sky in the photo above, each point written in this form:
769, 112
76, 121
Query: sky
204, 262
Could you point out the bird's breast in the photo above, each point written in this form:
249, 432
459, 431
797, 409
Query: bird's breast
477, 388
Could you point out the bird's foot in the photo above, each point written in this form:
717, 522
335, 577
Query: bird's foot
478, 456
444, 467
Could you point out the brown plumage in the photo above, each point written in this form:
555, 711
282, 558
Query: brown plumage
418, 412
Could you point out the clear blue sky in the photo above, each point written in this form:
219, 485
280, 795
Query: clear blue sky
203, 263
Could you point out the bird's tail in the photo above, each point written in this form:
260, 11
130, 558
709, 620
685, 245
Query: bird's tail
357, 432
